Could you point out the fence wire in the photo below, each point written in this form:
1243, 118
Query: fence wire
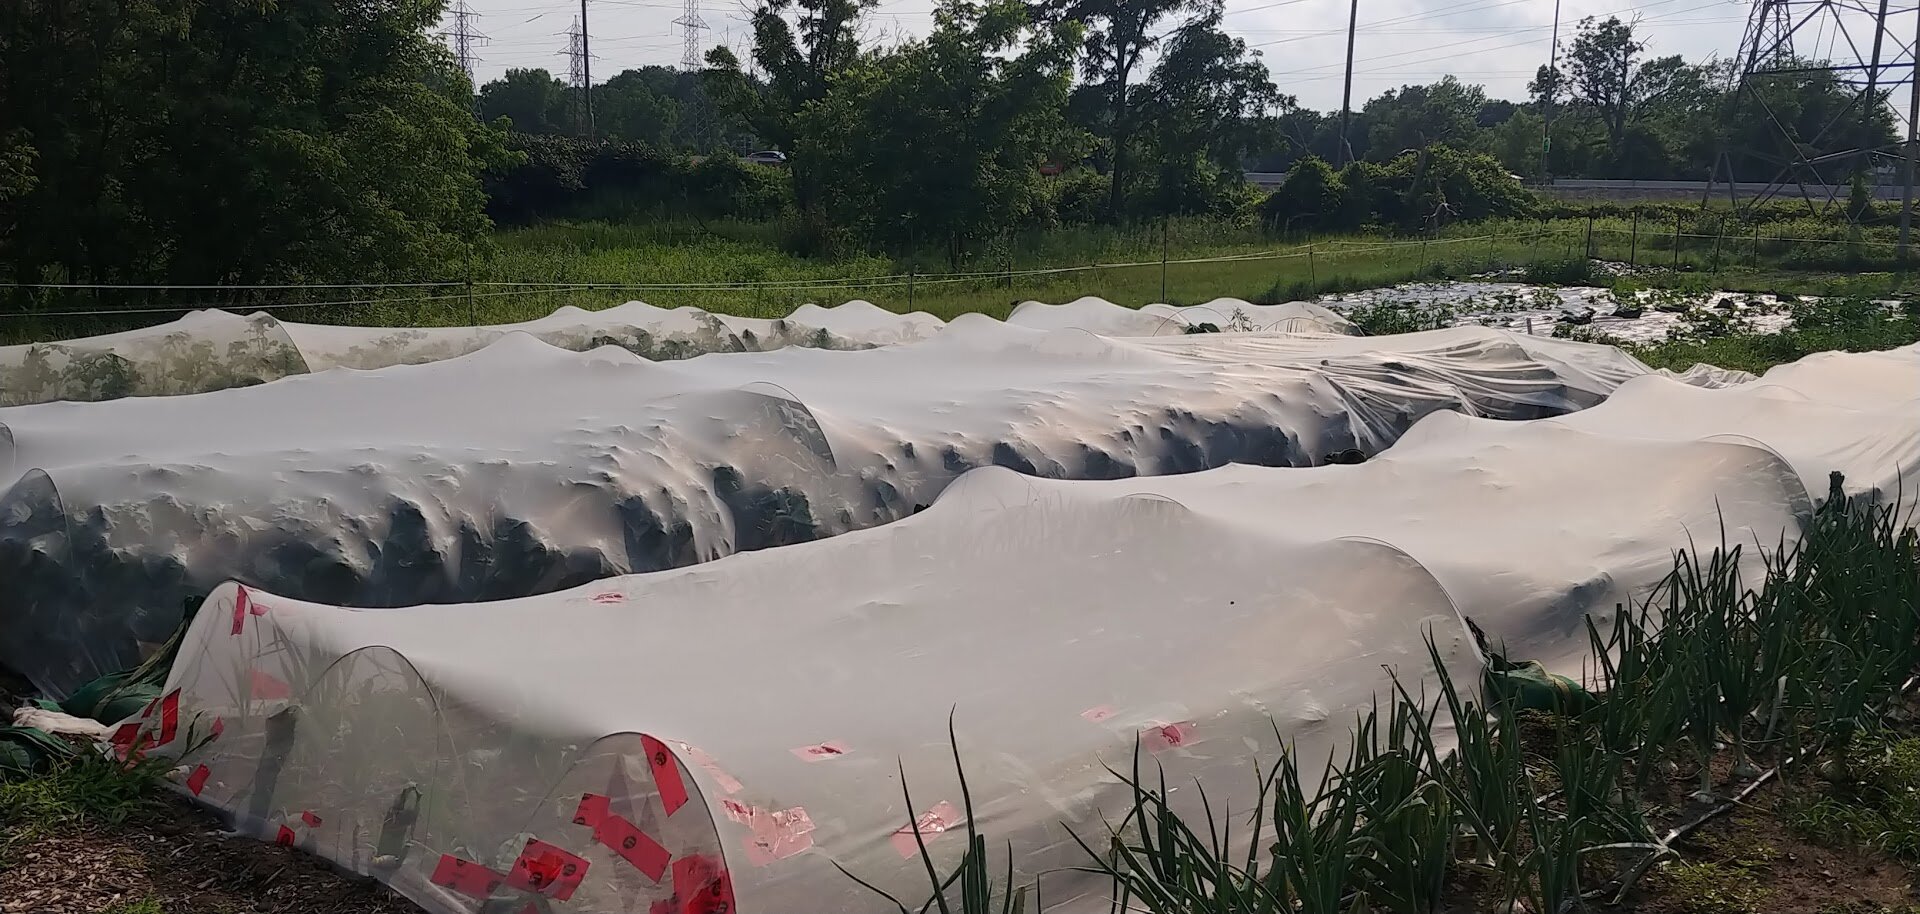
472, 291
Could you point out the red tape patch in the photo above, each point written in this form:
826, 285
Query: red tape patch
197, 781
219, 727
666, 774
267, 687
123, 738
466, 877
592, 808
702, 886
285, 837
633, 845
240, 610
169, 717
308, 817
547, 870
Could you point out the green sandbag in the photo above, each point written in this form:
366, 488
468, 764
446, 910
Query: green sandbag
1527, 684
112, 698
27, 751
1531, 688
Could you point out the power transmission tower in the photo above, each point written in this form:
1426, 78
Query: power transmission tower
465, 37
691, 25
577, 70
1780, 53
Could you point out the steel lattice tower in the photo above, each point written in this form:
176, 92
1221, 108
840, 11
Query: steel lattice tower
465, 37
691, 25
576, 57
1782, 44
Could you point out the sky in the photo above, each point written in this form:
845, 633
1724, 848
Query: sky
1495, 43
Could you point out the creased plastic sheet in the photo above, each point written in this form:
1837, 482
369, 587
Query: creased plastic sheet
215, 350
735, 728
523, 469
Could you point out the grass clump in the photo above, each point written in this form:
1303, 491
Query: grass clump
143, 906
1713, 888
88, 788
1872, 798
1560, 271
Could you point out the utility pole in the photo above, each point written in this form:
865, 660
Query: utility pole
1346, 94
586, 68
1553, 88
1913, 116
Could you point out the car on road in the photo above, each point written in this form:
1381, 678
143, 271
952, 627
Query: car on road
769, 157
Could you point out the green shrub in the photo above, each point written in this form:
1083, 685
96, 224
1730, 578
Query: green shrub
1561, 271
1313, 198
1080, 197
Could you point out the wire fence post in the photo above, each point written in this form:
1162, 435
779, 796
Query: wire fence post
472, 316
912, 275
1313, 271
1676, 241
1163, 259
1633, 245
1719, 233
1589, 237
1756, 243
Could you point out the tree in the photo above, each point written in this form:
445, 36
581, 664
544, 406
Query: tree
234, 143
1118, 35
1608, 75
1208, 103
1516, 142
944, 138
638, 105
532, 101
1413, 117
799, 67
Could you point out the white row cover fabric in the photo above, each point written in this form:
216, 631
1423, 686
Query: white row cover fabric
731, 734
215, 350
523, 469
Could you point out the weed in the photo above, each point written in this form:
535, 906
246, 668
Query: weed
1712, 888
1873, 801
1572, 271
143, 906
87, 788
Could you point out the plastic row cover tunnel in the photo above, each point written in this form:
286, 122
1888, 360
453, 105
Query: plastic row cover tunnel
734, 734
215, 350
524, 469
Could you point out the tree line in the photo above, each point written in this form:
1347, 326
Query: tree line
308, 141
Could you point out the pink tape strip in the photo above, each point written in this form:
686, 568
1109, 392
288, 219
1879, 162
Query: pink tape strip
931, 824
831, 749
1162, 737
